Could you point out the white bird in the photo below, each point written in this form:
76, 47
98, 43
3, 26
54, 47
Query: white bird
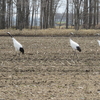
98, 42
17, 45
75, 45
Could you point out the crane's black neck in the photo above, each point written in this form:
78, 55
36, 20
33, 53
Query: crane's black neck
10, 35
71, 34
78, 48
21, 50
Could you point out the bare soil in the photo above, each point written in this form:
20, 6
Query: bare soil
49, 70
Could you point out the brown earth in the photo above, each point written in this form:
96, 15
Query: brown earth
49, 70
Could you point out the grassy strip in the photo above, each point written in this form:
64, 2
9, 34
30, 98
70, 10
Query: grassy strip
50, 32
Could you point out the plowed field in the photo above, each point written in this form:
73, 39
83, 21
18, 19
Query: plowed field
49, 70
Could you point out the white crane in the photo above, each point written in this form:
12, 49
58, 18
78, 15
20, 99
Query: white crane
75, 45
17, 45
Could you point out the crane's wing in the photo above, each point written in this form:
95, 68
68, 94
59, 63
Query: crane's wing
17, 45
73, 44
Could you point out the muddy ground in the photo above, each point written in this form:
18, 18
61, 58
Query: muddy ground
49, 70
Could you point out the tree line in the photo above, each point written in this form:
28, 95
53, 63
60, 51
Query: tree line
24, 13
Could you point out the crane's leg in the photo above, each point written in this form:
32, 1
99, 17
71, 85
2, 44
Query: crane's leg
74, 52
76, 57
14, 55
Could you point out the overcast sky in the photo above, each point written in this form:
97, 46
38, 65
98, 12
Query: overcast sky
62, 6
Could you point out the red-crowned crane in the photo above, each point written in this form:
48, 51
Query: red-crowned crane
17, 45
75, 46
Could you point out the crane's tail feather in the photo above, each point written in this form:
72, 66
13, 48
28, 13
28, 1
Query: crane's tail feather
78, 48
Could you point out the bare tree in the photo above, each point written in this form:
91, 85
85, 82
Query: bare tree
97, 7
85, 14
2, 13
27, 12
81, 12
67, 9
22, 14
77, 4
94, 15
32, 13
47, 13
90, 13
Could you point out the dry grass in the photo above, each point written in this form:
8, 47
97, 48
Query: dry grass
48, 71
50, 32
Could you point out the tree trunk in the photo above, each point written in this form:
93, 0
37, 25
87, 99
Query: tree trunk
94, 17
41, 15
90, 13
2, 21
32, 17
27, 14
67, 14
97, 4
85, 14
